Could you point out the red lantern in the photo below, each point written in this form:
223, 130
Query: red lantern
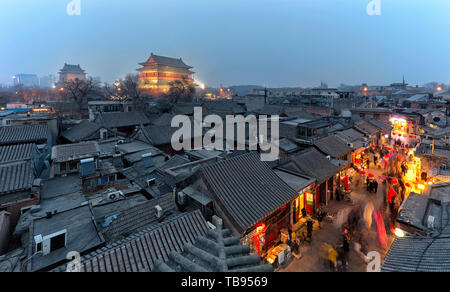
394, 181
408, 185
362, 172
371, 175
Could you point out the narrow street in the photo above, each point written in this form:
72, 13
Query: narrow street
331, 234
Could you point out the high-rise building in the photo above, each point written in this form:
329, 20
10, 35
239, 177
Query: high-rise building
47, 81
158, 71
26, 80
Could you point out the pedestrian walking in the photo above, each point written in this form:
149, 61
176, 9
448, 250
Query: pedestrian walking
375, 186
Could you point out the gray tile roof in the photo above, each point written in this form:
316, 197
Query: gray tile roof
416, 253
380, 125
287, 145
17, 176
24, 134
271, 110
176, 160
216, 252
163, 120
413, 211
122, 119
332, 146
82, 236
74, 69
140, 251
67, 152
82, 131
158, 135
351, 136
223, 107
139, 217
18, 152
184, 108
295, 181
246, 189
168, 61
366, 127
312, 163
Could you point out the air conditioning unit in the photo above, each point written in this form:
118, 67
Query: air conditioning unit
49, 243
38, 243
364, 139
328, 157
151, 182
159, 212
112, 196
350, 145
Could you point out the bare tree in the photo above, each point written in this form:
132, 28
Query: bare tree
433, 86
127, 88
77, 90
181, 90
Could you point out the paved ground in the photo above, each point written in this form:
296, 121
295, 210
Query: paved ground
331, 234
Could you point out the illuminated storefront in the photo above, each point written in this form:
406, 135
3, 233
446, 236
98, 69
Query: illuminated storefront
305, 201
263, 234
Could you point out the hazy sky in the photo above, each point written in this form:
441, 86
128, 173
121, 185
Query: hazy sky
231, 42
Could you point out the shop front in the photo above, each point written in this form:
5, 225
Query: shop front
303, 204
264, 234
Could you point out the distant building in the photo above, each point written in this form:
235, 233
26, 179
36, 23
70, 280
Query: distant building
70, 73
158, 71
26, 80
47, 81
444, 95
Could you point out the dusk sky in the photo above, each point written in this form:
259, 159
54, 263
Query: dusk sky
233, 42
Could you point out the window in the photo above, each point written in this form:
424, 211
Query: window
57, 242
63, 166
73, 165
